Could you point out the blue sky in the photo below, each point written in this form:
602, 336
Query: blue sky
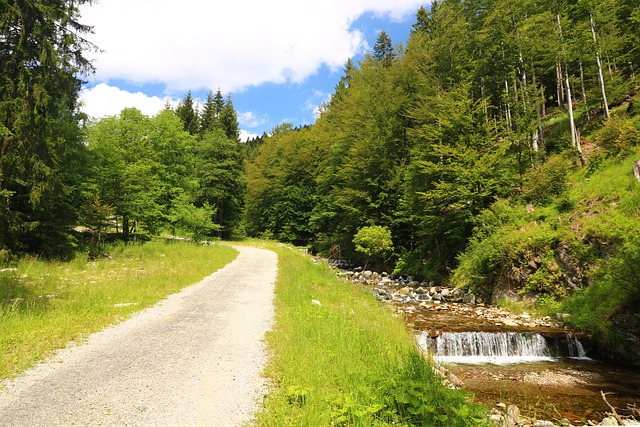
279, 62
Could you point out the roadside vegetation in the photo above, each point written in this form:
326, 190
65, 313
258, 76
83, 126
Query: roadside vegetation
338, 357
45, 305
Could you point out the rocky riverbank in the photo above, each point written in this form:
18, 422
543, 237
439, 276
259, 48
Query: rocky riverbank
407, 295
432, 309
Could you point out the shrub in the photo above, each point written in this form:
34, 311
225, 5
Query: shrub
547, 181
373, 241
617, 135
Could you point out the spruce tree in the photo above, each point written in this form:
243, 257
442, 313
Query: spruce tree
188, 114
383, 49
229, 120
41, 60
209, 119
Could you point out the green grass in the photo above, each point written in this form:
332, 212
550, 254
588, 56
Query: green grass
46, 305
347, 361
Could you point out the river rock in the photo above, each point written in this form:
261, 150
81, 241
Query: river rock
513, 415
469, 298
496, 420
541, 423
609, 421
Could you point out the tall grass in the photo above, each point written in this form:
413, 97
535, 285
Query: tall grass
46, 305
341, 358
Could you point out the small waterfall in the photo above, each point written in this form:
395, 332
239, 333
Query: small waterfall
487, 347
576, 350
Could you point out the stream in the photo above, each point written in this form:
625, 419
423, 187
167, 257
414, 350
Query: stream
535, 364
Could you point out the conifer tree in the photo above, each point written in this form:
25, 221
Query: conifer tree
188, 114
229, 120
383, 49
209, 119
41, 60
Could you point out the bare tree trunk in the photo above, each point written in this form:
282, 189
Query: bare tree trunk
507, 106
584, 92
540, 134
636, 169
605, 104
572, 121
559, 88
575, 139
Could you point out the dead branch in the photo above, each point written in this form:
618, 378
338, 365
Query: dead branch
613, 410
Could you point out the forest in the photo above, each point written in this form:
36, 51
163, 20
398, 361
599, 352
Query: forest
492, 151
495, 149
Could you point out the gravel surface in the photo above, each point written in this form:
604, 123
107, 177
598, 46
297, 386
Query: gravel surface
194, 359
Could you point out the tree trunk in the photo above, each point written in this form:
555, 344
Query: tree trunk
600, 74
559, 88
507, 106
575, 139
125, 228
584, 92
540, 114
636, 169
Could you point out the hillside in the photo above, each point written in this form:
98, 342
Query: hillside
570, 241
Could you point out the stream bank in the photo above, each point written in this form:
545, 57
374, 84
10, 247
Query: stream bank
560, 383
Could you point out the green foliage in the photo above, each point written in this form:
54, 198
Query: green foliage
348, 362
373, 241
41, 154
619, 134
542, 184
221, 179
196, 222
281, 187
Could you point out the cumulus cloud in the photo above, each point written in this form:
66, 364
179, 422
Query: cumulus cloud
104, 100
317, 101
195, 44
250, 120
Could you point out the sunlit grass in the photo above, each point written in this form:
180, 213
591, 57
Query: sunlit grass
338, 357
46, 305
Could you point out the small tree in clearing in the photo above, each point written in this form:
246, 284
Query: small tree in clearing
373, 241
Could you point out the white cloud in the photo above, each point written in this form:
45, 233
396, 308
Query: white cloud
104, 100
250, 120
245, 135
316, 102
197, 44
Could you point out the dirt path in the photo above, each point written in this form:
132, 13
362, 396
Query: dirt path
194, 359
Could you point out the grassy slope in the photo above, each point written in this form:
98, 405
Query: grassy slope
44, 305
348, 361
594, 222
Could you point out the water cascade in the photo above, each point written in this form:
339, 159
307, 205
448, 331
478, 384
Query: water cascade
498, 347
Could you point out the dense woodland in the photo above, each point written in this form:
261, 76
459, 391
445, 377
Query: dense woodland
494, 147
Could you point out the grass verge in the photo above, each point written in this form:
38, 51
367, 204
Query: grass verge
338, 357
46, 305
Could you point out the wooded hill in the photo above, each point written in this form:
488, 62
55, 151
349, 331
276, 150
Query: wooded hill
496, 147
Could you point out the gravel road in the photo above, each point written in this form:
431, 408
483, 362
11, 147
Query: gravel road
194, 359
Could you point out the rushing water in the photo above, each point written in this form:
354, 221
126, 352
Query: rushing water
545, 371
499, 348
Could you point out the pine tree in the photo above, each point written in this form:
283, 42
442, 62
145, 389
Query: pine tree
229, 120
41, 60
188, 114
383, 49
209, 119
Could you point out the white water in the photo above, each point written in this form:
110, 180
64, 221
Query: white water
488, 347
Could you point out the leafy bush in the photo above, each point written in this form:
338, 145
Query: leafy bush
618, 134
547, 181
373, 241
